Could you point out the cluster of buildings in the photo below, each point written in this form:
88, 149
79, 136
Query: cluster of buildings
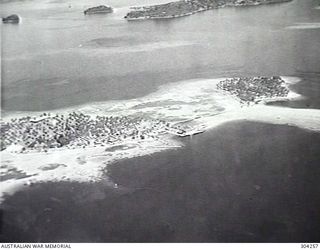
252, 89
76, 130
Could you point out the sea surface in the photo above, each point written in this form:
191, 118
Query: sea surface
239, 182
57, 57
214, 189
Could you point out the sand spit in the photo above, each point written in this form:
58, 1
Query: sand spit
193, 104
80, 165
303, 118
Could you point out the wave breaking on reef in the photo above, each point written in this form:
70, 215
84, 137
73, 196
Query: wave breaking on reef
195, 104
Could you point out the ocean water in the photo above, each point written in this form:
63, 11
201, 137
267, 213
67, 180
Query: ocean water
214, 189
57, 57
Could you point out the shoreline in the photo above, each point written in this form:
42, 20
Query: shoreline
86, 165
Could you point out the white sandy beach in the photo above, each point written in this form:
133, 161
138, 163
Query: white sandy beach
81, 165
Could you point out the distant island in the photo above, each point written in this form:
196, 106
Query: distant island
188, 7
11, 19
101, 9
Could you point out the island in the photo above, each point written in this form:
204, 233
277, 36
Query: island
11, 19
254, 89
102, 9
78, 130
79, 144
188, 7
